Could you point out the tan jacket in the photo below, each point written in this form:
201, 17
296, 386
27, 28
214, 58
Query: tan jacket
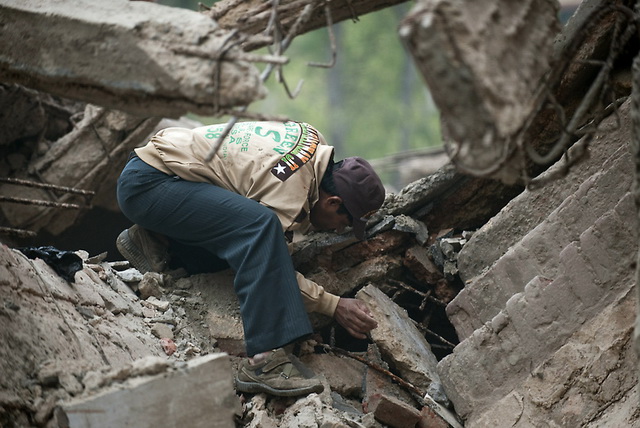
277, 164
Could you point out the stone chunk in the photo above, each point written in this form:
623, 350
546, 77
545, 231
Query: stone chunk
405, 223
139, 57
151, 285
399, 339
162, 331
200, 394
343, 374
472, 49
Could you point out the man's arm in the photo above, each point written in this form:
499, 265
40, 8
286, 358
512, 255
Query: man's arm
352, 314
315, 297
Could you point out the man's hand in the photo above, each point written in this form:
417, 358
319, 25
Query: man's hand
355, 317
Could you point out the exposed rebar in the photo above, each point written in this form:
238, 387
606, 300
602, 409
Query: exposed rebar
28, 183
38, 202
18, 233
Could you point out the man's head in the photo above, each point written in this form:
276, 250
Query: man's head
350, 193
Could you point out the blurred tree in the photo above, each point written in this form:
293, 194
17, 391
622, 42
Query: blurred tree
372, 102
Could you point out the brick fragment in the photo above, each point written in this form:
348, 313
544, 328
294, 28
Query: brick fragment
393, 412
418, 262
430, 419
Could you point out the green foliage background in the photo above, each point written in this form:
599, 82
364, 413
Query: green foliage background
372, 103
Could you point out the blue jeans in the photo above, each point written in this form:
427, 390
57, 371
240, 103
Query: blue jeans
230, 227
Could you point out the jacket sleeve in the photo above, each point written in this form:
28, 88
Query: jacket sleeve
315, 298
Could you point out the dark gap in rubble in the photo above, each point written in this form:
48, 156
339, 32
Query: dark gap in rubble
445, 330
337, 336
95, 233
430, 319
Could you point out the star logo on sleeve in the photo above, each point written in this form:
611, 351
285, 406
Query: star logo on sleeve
279, 169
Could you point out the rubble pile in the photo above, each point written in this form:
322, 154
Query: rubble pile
64, 338
496, 305
406, 288
78, 334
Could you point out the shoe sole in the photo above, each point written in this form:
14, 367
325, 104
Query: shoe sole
254, 388
131, 252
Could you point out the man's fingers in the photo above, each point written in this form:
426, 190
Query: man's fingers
364, 324
355, 317
356, 334
367, 320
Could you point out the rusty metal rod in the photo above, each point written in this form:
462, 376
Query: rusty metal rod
238, 56
411, 388
418, 292
38, 202
424, 329
440, 338
28, 183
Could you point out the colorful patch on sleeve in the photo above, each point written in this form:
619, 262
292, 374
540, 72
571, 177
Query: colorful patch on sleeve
300, 153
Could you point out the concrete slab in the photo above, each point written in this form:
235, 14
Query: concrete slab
199, 394
139, 57
399, 339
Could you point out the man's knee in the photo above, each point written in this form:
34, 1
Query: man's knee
267, 218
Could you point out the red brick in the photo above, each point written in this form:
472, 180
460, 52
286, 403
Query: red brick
393, 412
430, 419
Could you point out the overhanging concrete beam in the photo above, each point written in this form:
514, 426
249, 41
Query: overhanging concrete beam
252, 17
138, 57
483, 62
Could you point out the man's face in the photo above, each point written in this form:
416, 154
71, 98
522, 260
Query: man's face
324, 215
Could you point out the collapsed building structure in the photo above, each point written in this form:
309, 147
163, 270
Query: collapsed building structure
503, 286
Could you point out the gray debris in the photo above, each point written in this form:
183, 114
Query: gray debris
138, 57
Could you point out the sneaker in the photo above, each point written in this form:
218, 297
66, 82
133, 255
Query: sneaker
145, 250
275, 375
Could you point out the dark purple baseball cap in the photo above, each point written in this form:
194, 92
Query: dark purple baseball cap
361, 191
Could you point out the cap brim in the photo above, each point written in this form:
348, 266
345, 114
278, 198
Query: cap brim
358, 228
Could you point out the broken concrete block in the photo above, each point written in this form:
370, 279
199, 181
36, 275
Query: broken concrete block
404, 223
162, 331
393, 412
450, 270
330, 282
249, 17
258, 414
139, 57
89, 157
343, 374
70, 383
198, 394
150, 285
314, 411
221, 308
130, 275
377, 382
168, 346
492, 55
399, 340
